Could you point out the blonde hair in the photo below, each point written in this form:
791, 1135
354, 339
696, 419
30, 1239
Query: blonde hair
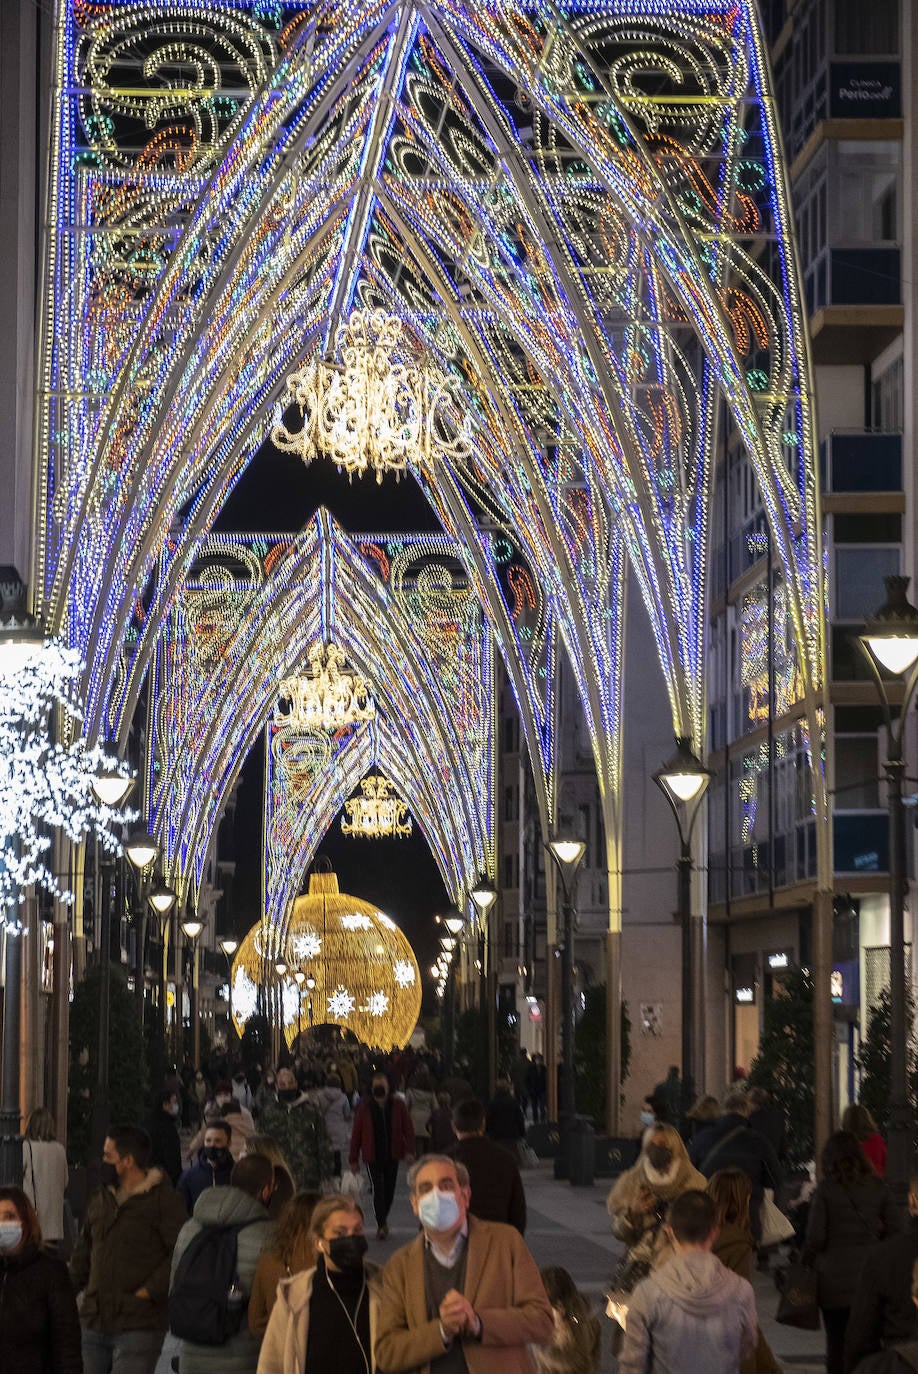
327, 1206
730, 1191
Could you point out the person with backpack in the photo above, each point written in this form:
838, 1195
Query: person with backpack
213, 1267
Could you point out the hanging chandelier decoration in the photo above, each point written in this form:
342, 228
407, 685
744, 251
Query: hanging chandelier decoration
327, 697
375, 409
379, 814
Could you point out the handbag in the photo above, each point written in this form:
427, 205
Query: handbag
774, 1224
797, 1305
351, 1184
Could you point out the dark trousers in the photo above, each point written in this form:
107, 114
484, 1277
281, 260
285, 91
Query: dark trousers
383, 1177
835, 1321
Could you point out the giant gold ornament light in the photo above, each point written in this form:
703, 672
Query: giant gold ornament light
328, 697
378, 814
366, 976
371, 410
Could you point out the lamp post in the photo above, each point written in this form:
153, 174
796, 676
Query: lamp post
310, 988
299, 978
484, 895
890, 641
568, 856
141, 851
228, 947
191, 929
683, 780
161, 900
21, 638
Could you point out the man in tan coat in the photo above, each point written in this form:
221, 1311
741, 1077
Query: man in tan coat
465, 1297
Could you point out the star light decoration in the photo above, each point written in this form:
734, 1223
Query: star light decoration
404, 973
379, 814
341, 1003
377, 1004
305, 945
375, 410
46, 785
328, 697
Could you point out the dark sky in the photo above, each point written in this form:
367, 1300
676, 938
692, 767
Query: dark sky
278, 494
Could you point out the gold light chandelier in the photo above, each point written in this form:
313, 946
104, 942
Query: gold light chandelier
327, 697
378, 814
372, 410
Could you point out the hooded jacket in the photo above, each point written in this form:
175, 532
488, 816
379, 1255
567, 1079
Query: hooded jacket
283, 1350
126, 1244
691, 1303
227, 1207
337, 1114
300, 1131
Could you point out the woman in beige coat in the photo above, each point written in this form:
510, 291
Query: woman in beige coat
326, 1318
638, 1200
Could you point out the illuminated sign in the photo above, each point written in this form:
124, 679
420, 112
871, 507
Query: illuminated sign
745, 996
780, 959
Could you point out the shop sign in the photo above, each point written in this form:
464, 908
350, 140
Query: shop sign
745, 996
865, 90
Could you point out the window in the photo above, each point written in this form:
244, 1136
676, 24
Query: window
856, 773
865, 191
866, 26
859, 574
867, 529
510, 809
888, 401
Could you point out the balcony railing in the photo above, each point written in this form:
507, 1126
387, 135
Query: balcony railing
861, 461
853, 276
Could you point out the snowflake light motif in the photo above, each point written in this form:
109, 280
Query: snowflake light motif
341, 1003
386, 921
377, 1004
356, 921
404, 973
306, 945
245, 996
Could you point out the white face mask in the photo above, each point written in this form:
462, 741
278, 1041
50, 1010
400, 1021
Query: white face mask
647, 1118
173, 1109
10, 1235
438, 1211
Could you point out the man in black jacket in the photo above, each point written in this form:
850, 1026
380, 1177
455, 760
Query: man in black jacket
497, 1189
883, 1313
164, 1137
731, 1143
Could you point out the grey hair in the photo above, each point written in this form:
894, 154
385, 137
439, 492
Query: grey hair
738, 1102
462, 1173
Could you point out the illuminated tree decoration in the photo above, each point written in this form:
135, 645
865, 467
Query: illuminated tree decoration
328, 697
45, 784
378, 814
366, 976
370, 410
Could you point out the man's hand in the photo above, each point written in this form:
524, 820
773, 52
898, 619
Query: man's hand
645, 1201
457, 1315
142, 1293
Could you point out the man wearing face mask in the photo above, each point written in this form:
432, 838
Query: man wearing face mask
465, 1297
164, 1137
382, 1134
121, 1261
300, 1131
326, 1318
243, 1203
224, 1107
213, 1168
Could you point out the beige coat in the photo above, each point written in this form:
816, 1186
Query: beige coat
503, 1285
640, 1229
283, 1350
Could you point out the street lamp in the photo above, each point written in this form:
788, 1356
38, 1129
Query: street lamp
191, 929
161, 900
890, 639
110, 785
484, 895
228, 947
299, 978
141, 850
568, 856
683, 780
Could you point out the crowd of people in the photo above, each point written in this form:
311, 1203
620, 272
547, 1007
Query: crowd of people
237, 1245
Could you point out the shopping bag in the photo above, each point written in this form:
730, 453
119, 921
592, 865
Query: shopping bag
775, 1225
351, 1183
797, 1305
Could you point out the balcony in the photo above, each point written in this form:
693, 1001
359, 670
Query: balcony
860, 461
854, 301
861, 840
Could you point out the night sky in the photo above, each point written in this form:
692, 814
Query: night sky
277, 493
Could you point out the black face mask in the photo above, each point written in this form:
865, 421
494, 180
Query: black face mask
217, 1154
660, 1157
287, 1094
379, 1093
347, 1252
108, 1175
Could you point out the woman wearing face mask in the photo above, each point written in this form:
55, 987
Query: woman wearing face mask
39, 1325
326, 1318
292, 1251
638, 1200
224, 1107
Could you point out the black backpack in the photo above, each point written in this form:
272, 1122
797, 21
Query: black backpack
206, 1305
